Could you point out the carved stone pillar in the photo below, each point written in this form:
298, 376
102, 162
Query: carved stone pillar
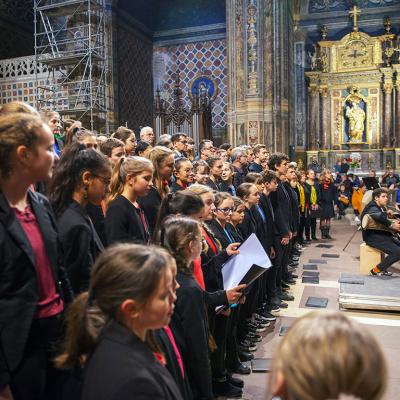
388, 140
313, 117
325, 141
259, 80
387, 120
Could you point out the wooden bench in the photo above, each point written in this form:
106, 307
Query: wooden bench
369, 257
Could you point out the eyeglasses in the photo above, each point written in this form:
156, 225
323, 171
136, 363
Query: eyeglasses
226, 210
104, 179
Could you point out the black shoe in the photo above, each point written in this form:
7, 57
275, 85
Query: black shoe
286, 297
260, 318
314, 238
283, 305
307, 242
235, 381
254, 336
290, 282
242, 369
294, 258
268, 316
226, 389
247, 346
275, 301
245, 356
293, 276
380, 273
284, 286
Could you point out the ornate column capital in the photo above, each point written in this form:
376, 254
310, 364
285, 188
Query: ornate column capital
324, 91
388, 87
313, 89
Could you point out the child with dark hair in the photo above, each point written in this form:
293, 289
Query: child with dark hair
127, 136
181, 236
183, 173
81, 176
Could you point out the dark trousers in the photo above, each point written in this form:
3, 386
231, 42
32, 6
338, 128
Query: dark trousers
232, 357
310, 227
300, 232
217, 357
388, 245
36, 378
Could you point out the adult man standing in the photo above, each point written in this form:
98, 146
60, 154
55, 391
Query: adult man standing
260, 157
180, 143
239, 163
147, 135
206, 150
380, 239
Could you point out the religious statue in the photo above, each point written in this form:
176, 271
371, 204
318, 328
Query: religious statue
356, 117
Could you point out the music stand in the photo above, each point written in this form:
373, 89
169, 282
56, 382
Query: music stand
371, 182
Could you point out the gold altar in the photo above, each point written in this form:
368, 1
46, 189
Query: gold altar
353, 97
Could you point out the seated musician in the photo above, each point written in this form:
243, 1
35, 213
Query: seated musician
377, 236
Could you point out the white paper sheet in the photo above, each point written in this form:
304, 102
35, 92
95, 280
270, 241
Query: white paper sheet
251, 252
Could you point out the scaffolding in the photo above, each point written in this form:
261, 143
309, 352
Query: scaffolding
70, 38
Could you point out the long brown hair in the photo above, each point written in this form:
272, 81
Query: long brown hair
121, 272
157, 156
126, 166
176, 234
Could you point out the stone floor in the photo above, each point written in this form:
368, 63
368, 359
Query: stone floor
384, 325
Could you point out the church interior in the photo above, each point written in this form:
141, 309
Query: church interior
282, 73
314, 79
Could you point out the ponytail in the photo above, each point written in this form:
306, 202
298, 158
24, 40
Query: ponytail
121, 272
126, 166
183, 202
116, 184
84, 323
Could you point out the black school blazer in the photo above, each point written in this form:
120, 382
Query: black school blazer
80, 243
18, 277
122, 367
123, 224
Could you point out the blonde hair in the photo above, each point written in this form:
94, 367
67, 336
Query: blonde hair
200, 189
17, 129
126, 166
157, 155
326, 355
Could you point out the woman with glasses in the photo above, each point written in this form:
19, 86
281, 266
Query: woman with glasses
81, 177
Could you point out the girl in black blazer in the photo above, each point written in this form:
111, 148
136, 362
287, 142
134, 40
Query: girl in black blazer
163, 163
125, 220
33, 285
82, 176
132, 292
181, 236
249, 193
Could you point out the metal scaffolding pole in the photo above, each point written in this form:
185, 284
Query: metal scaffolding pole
70, 39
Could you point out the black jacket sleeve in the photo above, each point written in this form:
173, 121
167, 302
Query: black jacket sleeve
191, 311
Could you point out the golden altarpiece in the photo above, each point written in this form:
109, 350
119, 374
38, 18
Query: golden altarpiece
353, 98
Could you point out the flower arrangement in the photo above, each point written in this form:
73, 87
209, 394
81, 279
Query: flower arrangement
354, 160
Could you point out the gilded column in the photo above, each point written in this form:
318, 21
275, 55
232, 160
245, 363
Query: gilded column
325, 141
313, 117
